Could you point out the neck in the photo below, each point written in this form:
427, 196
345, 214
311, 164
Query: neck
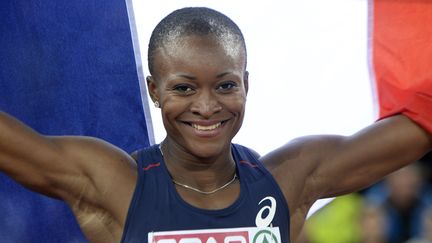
202, 173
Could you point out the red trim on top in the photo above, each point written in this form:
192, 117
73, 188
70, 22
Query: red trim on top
248, 163
151, 166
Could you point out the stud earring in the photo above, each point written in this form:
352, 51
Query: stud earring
156, 104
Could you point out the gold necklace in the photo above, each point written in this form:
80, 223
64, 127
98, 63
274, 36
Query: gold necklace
205, 192
196, 189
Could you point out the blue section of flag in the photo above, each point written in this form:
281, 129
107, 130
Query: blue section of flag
66, 67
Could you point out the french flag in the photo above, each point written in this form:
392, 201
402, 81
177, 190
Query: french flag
73, 67
67, 68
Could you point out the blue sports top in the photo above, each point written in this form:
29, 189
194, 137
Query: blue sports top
158, 214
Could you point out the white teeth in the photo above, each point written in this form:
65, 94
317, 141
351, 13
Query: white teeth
206, 128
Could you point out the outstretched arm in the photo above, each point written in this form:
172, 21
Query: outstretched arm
354, 162
87, 173
317, 167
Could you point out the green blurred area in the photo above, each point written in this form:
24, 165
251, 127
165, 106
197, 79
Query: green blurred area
338, 222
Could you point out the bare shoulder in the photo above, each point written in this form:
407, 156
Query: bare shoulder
93, 154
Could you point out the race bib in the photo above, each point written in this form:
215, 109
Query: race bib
230, 235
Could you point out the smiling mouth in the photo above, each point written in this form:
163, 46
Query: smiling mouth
205, 128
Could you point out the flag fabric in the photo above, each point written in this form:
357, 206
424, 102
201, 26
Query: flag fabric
66, 68
401, 58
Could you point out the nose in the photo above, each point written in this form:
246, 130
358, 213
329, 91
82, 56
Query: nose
206, 104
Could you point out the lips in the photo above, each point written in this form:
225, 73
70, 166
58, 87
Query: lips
206, 128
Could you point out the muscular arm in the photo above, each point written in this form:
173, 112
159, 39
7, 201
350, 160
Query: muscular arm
354, 162
317, 167
90, 175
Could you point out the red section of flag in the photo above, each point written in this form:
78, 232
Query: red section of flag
402, 58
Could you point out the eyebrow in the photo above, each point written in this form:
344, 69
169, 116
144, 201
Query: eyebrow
222, 74
186, 76
194, 78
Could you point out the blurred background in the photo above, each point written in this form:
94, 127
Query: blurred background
397, 209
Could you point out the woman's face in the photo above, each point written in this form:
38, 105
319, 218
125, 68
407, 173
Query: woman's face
201, 85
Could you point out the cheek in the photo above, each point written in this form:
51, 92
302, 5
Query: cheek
235, 103
172, 107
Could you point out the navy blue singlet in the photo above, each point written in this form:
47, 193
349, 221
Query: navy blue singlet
158, 214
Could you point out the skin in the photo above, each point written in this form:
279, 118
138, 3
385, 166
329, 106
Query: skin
197, 82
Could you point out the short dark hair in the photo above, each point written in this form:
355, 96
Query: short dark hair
192, 21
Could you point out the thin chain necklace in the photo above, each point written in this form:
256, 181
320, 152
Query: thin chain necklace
205, 192
196, 189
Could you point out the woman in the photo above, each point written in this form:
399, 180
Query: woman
196, 184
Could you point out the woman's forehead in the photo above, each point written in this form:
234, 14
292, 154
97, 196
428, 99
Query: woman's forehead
225, 44
201, 50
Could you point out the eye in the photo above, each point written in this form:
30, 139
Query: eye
183, 89
227, 86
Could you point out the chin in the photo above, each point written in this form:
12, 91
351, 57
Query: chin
209, 149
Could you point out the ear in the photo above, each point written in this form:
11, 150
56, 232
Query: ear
246, 81
152, 88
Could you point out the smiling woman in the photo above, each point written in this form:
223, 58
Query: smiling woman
199, 78
197, 185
